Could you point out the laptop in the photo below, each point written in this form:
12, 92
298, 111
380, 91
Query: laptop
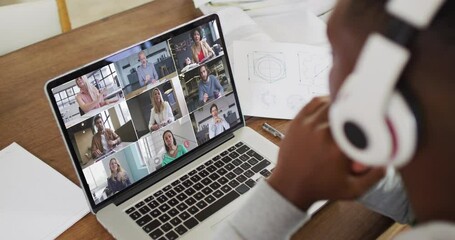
157, 136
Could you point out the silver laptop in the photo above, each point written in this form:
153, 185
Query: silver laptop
157, 136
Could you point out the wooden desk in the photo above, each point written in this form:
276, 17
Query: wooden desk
26, 118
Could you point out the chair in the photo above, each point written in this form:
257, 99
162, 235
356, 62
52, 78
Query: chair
27, 22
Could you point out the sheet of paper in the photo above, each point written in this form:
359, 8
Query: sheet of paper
36, 202
276, 80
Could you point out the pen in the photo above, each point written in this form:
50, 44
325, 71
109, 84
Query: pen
272, 130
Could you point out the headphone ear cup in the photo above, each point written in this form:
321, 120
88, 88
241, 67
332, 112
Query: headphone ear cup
403, 127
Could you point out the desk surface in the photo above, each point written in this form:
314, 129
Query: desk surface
26, 118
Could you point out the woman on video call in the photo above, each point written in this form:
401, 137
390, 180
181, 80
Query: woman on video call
119, 178
173, 151
161, 113
201, 49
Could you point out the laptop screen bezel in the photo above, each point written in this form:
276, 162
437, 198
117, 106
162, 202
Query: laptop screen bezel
153, 177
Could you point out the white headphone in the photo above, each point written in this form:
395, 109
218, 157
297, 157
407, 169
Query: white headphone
370, 120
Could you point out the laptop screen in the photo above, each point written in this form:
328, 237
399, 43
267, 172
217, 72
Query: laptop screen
137, 112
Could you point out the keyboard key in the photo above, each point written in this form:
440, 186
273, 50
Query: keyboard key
164, 207
198, 196
203, 173
221, 171
187, 183
241, 179
190, 191
171, 193
184, 216
207, 212
192, 172
206, 181
234, 183
214, 176
229, 166
244, 157
230, 175
233, 155
175, 183
201, 204
209, 162
149, 198
243, 149
261, 165
245, 166
182, 206
158, 193
167, 188
222, 180
265, 173
200, 167
162, 199
219, 164
215, 185
181, 196
151, 226
171, 235
198, 186
173, 202
253, 161
139, 204
190, 201
164, 218
218, 194
248, 173
210, 169
155, 213
242, 189
216, 158
225, 188
238, 171
156, 234
252, 153
130, 210
226, 159
195, 178
173, 212
153, 204
166, 227
232, 148
209, 199
179, 188
183, 178
250, 183
176, 221
239, 144
135, 215
144, 210
181, 230
236, 162
193, 210
224, 153
207, 190
190, 223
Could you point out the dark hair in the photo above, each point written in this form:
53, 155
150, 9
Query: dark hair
213, 105
198, 29
206, 68
96, 118
173, 138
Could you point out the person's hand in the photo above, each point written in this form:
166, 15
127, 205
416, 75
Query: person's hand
98, 153
206, 97
147, 78
310, 165
155, 127
217, 120
111, 143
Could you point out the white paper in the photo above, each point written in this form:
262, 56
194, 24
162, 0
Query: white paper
276, 80
36, 201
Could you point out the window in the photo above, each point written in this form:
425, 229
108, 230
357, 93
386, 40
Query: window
96, 175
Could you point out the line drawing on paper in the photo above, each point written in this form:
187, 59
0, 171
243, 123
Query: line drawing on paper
266, 67
313, 67
268, 99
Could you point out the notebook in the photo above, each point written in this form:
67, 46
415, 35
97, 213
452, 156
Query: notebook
157, 136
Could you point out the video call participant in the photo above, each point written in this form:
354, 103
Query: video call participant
89, 97
188, 64
119, 179
200, 48
104, 140
209, 86
161, 113
173, 150
329, 174
217, 124
146, 72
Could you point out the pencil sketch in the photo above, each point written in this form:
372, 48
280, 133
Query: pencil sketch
313, 67
268, 99
266, 67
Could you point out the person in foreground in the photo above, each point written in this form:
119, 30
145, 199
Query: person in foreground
311, 166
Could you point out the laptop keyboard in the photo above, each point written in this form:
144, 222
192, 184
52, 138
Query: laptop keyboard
178, 207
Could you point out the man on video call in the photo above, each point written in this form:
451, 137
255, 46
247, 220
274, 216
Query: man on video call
104, 140
146, 72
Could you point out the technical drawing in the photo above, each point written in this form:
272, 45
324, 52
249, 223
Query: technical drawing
313, 67
268, 99
266, 67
